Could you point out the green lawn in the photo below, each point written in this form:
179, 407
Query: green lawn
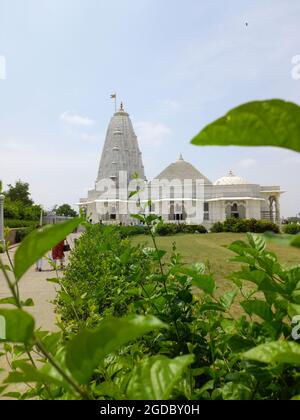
212, 247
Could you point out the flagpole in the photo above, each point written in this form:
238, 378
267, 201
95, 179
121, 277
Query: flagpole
114, 96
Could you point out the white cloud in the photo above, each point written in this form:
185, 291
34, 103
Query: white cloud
152, 133
247, 163
71, 118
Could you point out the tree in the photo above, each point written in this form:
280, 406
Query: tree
65, 210
19, 193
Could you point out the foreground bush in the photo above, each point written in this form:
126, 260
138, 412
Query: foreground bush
102, 266
292, 228
245, 225
172, 344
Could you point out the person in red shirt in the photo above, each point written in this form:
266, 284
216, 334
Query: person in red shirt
58, 254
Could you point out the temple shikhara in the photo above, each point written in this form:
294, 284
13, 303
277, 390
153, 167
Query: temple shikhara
180, 193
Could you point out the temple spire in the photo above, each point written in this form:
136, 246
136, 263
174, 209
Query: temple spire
180, 157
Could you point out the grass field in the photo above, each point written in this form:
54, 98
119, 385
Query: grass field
212, 247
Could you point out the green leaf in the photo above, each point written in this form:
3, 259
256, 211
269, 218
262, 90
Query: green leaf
88, 348
204, 282
275, 352
156, 377
185, 296
15, 395
227, 299
30, 374
28, 302
19, 325
259, 308
54, 280
8, 301
133, 193
212, 306
35, 245
260, 123
257, 241
293, 310
236, 392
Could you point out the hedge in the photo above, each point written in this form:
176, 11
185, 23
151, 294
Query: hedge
245, 225
23, 232
292, 228
16, 223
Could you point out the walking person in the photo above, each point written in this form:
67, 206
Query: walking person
39, 263
58, 255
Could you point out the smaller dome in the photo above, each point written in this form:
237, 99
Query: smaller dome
231, 179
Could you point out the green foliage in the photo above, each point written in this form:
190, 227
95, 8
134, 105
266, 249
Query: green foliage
23, 232
205, 353
19, 193
291, 228
65, 210
89, 348
276, 352
155, 377
19, 325
260, 123
162, 229
245, 225
16, 223
18, 210
127, 231
180, 338
165, 229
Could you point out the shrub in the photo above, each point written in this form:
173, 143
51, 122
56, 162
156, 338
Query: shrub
16, 223
18, 210
292, 228
126, 231
102, 266
245, 225
23, 232
217, 227
166, 229
192, 229
172, 229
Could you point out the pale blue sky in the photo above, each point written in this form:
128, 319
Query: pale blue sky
177, 65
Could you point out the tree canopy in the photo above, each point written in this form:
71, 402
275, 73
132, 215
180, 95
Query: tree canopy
19, 192
65, 210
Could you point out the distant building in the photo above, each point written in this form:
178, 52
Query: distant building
180, 193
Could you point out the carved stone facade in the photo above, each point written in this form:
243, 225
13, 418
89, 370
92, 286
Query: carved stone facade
180, 193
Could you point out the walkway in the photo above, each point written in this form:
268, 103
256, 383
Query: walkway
34, 285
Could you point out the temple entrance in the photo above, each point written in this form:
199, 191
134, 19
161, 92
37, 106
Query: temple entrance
235, 210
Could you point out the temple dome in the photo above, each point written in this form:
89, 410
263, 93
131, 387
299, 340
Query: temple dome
182, 170
231, 179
